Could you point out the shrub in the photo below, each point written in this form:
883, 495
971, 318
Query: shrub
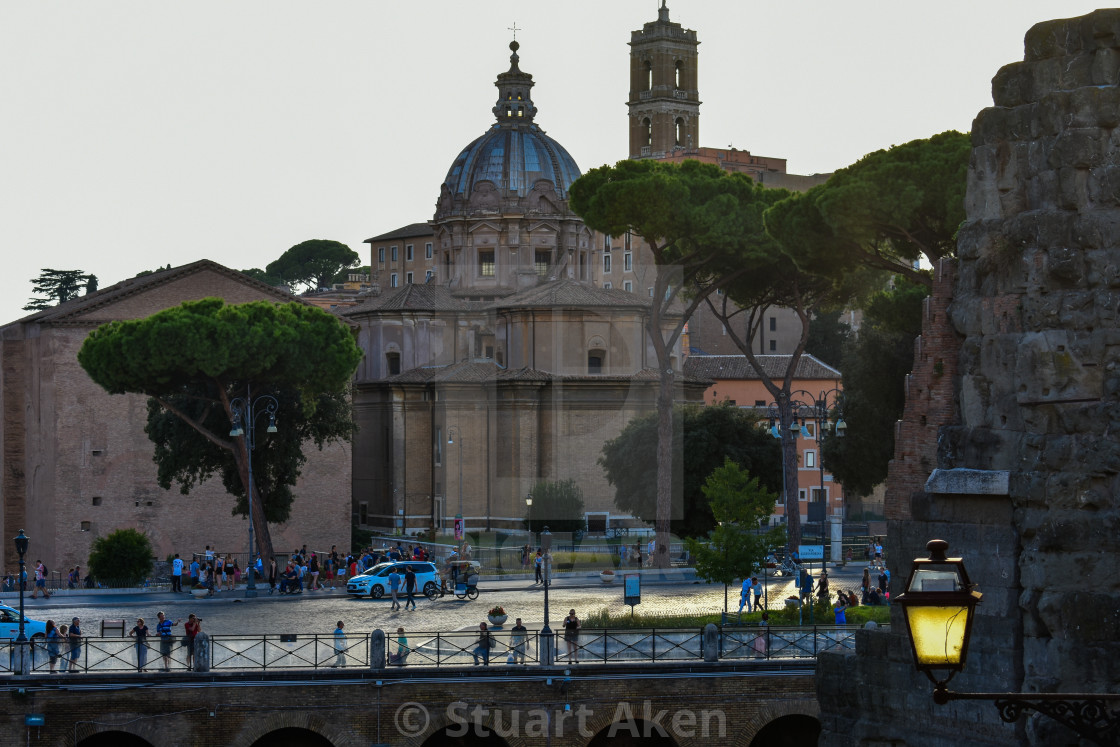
124, 555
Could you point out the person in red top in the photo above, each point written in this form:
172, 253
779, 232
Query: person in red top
353, 566
192, 628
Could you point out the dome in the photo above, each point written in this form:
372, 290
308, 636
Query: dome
514, 159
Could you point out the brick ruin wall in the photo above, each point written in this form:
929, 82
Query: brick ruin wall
1035, 307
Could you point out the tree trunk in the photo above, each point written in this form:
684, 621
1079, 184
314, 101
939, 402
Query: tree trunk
789, 482
262, 537
664, 464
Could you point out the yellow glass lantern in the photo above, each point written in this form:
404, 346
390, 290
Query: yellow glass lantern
938, 604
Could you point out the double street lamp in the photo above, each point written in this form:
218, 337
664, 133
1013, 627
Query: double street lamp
453, 433
245, 411
21, 540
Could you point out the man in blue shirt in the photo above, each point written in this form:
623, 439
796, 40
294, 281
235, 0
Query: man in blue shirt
163, 630
394, 586
177, 574
194, 572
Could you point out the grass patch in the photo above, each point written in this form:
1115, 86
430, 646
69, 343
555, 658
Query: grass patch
785, 617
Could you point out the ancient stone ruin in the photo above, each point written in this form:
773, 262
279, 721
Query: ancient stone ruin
1026, 473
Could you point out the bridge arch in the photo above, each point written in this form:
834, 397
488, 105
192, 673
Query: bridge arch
791, 723
295, 728
113, 739
637, 732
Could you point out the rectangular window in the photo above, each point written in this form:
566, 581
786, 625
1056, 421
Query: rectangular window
773, 345
773, 324
607, 284
810, 459
408, 252
650, 292
628, 261
428, 250
606, 262
541, 263
393, 254
820, 496
628, 286
428, 276
606, 243
626, 241
486, 264
801, 495
439, 448
408, 278
393, 280
381, 254
363, 512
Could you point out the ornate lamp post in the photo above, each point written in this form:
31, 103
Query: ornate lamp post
245, 411
548, 651
21, 540
938, 606
460, 525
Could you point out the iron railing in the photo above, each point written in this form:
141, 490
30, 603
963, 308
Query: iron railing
428, 649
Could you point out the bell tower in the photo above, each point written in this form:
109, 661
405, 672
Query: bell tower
664, 101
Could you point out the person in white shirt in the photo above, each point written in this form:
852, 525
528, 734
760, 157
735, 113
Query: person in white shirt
177, 574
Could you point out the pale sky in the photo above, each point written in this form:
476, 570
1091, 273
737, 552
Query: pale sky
137, 134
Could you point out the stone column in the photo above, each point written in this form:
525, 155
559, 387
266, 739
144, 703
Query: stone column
202, 652
377, 650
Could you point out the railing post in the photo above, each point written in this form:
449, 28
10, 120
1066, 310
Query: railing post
711, 643
202, 652
377, 649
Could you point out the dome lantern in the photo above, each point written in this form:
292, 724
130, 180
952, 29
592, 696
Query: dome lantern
514, 105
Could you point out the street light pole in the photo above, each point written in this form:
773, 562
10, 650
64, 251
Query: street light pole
245, 411
548, 652
21, 540
453, 432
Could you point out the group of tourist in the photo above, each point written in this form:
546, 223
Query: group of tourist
72, 635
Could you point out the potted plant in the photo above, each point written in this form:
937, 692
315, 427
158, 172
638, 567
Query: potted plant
198, 591
607, 576
496, 615
793, 601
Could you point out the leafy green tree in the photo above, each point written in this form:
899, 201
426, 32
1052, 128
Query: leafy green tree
313, 263
886, 210
689, 216
258, 274
828, 336
874, 374
557, 505
123, 556
705, 437
59, 286
193, 360
741, 506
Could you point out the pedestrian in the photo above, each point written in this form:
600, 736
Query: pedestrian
756, 589
571, 636
191, 630
314, 568
140, 633
163, 630
621, 554
760, 638
72, 578
482, 648
409, 587
865, 587
227, 572
40, 580
52, 644
745, 596
822, 587
538, 566
74, 636
519, 635
650, 550
394, 585
236, 574
177, 574
271, 575
194, 571
839, 609
525, 553
339, 646
400, 657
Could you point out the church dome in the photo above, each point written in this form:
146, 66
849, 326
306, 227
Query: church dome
514, 154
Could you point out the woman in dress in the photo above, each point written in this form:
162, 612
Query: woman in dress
571, 635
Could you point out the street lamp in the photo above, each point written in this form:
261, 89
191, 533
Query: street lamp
938, 605
453, 433
245, 411
21, 540
548, 652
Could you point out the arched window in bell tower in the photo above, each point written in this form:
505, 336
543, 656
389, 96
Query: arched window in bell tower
677, 78
649, 76
648, 127
680, 132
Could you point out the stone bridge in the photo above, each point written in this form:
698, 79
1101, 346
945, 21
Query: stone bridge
587, 705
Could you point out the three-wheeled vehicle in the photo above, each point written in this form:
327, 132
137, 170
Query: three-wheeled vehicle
460, 577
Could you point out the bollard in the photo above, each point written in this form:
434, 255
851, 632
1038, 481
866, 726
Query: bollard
377, 650
711, 642
548, 648
202, 652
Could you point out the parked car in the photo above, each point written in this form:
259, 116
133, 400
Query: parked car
375, 581
9, 624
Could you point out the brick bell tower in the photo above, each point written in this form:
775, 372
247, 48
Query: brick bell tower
664, 101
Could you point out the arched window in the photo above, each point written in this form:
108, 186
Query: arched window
649, 76
680, 131
677, 74
394, 363
649, 130
595, 360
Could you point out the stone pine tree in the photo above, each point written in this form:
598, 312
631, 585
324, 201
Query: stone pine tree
689, 216
59, 286
886, 211
192, 360
313, 263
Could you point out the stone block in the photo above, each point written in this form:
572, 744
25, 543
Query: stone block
1099, 29
1011, 85
1056, 38
1048, 371
967, 481
1081, 147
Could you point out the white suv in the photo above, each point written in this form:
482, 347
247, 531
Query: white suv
375, 581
